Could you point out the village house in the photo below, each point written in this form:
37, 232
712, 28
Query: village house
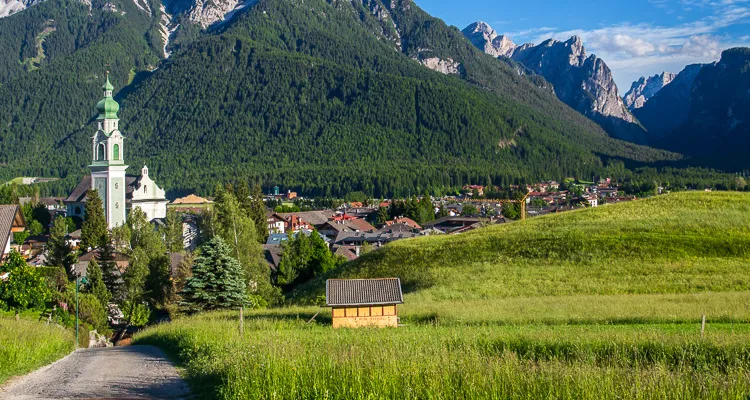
334, 227
276, 223
357, 303
375, 239
457, 224
190, 204
404, 220
11, 221
122, 261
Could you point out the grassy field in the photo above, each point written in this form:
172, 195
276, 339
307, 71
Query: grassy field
600, 303
26, 345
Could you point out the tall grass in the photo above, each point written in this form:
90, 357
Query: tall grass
678, 243
280, 358
26, 345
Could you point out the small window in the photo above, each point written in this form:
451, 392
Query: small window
116, 152
100, 153
78, 210
145, 189
117, 185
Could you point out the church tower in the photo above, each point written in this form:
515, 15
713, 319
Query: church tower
108, 165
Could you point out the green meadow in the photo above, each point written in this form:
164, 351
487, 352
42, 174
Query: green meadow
601, 303
27, 344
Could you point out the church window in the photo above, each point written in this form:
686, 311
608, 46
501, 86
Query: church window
100, 153
116, 151
145, 189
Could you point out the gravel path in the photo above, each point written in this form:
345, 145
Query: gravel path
131, 372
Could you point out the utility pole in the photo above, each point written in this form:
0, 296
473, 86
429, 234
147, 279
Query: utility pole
78, 281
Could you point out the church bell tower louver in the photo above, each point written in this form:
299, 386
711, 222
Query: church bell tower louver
107, 161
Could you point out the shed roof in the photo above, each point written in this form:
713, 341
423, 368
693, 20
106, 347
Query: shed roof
359, 292
10, 215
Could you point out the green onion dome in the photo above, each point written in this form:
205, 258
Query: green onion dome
107, 107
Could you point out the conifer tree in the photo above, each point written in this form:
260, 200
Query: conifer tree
96, 285
218, 280
94, 228
258, 214
172, 232
110, 271
382, 216
59, 252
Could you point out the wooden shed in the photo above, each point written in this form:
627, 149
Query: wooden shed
358, 303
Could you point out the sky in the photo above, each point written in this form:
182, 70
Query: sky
635, 38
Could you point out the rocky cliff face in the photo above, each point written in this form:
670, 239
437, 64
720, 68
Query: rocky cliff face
582, 81
487, 39
668, 108
10, 7
716, 129
645, 88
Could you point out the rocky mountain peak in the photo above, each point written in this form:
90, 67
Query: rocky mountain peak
488, 40
645, 88
583, 82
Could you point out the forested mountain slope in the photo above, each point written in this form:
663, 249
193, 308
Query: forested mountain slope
320, 96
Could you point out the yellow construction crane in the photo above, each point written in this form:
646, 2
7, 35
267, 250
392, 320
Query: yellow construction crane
508, 201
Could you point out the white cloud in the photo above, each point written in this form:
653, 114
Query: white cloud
632, 50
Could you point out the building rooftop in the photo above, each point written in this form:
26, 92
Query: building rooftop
361, 292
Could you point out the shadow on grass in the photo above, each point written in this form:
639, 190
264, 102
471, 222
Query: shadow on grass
435, 319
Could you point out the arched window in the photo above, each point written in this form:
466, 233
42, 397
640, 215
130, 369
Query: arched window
116, 152
145, 189
100, 153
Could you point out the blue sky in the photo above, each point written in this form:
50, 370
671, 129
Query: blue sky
635, 38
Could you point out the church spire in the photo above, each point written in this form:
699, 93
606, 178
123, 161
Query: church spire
107, 107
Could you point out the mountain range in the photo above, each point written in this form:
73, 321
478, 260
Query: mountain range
665, 110
320, 96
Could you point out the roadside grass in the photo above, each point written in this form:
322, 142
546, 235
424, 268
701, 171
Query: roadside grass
26, 345
282, 357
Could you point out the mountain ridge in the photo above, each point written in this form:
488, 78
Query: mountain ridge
583, 82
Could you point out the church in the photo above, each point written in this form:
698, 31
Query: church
119, 192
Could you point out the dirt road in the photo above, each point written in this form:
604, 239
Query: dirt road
132, 372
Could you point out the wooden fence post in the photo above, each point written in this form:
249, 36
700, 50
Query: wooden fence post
242, 320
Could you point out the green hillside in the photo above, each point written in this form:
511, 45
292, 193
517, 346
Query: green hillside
315, 96
601, 303
672, 249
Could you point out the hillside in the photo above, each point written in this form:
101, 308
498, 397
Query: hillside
717, 128
668, 249
601, 303
317, 96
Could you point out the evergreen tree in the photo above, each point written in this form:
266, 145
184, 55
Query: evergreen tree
257, 211
295, 255
59, 252
172, 232
110, 271
158, 286
96, 285
237, 229
218, 280
321, 258
382, 216
134, 282
94, 228
442, 212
